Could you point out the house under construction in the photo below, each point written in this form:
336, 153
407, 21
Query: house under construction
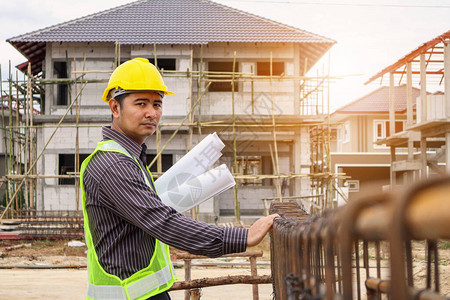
240, 75
426, 135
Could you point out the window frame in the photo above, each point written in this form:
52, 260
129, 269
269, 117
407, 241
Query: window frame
384, 126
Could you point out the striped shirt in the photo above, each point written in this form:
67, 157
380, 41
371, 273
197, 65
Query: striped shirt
125, 215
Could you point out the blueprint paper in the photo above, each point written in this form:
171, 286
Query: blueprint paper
198, 189
196, 162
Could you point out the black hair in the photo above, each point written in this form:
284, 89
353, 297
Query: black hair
120, 99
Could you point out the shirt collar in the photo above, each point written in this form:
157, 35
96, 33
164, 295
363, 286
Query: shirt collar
128, 143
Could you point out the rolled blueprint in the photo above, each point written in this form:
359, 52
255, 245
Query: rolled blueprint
196, 162
197, 189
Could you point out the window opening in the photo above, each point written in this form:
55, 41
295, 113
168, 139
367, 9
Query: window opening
67, 167
250, 165
167, 161
222, 66
62, 90
165, 63
263, 68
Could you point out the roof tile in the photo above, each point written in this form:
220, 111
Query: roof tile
165, 21
378, 101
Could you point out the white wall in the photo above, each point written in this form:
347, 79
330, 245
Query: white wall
99, 56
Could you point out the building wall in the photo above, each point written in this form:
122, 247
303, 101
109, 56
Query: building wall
349, 139
360, 158
362, 133
99, 56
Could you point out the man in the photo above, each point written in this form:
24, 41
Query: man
127, 226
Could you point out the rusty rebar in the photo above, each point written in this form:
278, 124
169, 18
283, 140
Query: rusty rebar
318, 257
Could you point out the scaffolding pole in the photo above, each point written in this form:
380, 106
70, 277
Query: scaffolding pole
312, 102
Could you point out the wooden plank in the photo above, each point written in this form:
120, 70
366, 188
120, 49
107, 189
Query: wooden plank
411, 56
187, 277
254, 273
439, 130
225, 280
407, 165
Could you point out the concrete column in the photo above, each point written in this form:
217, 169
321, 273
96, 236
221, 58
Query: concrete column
423, 156
409, 99
409, 109
296, 82
297, 162
447, 101
40, 169
447, 152
391, 104
302, 162
393, 177
48, 66
447, 78
423, 88
305, 156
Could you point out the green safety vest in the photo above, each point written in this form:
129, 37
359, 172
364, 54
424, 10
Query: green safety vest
156, 278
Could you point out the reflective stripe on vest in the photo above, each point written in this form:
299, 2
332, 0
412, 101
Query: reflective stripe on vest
140, 284
135, 290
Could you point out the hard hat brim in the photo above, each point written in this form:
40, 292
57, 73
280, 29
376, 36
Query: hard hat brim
106, 98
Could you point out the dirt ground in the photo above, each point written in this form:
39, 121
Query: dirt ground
31, 278
37, 284
72, 284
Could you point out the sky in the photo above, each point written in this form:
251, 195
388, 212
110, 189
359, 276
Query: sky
370, 34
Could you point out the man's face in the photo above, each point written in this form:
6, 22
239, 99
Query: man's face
139, 115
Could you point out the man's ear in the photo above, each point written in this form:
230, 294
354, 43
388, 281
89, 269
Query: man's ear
115, 107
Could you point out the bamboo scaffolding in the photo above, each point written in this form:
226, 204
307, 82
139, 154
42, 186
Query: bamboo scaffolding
311, 88
28, 111
274, 133
194, 124
176, 131
11, 139
191, 120
237, 211
156, 174
30, 171
17, 147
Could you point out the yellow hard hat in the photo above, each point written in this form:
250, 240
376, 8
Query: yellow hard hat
136, 75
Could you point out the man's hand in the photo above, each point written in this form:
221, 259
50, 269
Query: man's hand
259, 229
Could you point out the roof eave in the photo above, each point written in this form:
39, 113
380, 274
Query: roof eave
412, 55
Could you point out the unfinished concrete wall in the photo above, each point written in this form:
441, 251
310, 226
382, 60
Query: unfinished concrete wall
79, 56
100, 57
249, 197
177, 105
349, 135
4, 133
251, 99
52, 195
251, 95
